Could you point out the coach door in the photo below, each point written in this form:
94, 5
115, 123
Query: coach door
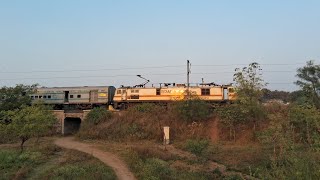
123, 94
93, 96
225, 94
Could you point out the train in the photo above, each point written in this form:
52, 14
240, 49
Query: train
87, 97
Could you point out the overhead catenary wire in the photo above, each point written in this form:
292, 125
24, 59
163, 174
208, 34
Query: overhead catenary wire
262, 64
75, 77
88, 70
136, 68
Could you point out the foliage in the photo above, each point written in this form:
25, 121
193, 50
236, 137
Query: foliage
97, 116
306, 121
279, 134
197, 146
12, 98
300, 97
249, 83
192, 110
295, 165
29, 121
158, 169
247, 109
288, 127
144, 107
279, 95
309, 81
249, 86
12, 161
231, 116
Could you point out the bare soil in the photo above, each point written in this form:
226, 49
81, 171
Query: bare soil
120, 168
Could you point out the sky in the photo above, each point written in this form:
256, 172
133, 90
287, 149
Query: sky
109, 42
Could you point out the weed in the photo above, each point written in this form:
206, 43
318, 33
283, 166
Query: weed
197, 146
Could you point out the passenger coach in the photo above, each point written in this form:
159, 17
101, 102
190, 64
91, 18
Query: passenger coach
78, 97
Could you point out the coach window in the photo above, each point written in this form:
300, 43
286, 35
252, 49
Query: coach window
71, 96
40, 97
36, 97
79, 96
231, 90
49, 96
32, 97
158, 91
45, 97
119, 91
205, 92
132, 91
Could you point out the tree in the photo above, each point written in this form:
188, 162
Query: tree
30, 121
249, 84
14, 97
309, 81
278, 95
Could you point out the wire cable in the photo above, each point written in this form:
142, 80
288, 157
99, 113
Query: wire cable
88, 70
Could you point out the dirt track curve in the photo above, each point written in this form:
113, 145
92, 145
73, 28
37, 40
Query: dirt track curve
120, 168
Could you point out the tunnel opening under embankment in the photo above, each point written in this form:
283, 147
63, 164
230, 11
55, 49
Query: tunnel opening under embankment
71, 125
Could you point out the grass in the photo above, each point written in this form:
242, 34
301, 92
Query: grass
155, 168
46, 161
248, 159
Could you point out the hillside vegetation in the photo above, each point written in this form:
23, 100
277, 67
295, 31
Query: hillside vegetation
249, 138
262, 140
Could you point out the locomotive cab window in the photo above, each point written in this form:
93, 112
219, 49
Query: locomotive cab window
78, 96
119, 91
231, 90
205, 92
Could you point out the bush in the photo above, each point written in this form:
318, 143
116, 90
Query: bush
156, 169
148, 168
145, 107
97, 115
192, 110
197, 147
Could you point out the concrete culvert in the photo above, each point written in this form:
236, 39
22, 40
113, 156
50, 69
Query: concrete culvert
71, 125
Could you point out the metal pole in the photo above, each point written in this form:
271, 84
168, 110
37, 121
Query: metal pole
188, 83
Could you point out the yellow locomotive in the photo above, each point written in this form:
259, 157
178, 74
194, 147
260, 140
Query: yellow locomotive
210, 92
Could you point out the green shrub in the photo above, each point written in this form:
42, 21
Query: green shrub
302, 165
197, 147
156, 169
144, 107
97, 115
192, 110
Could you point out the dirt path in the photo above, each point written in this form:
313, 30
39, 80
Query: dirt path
120, 168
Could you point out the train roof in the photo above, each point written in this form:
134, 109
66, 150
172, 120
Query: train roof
73, 88
164, 87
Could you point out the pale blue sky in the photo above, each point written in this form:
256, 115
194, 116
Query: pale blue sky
66, 35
